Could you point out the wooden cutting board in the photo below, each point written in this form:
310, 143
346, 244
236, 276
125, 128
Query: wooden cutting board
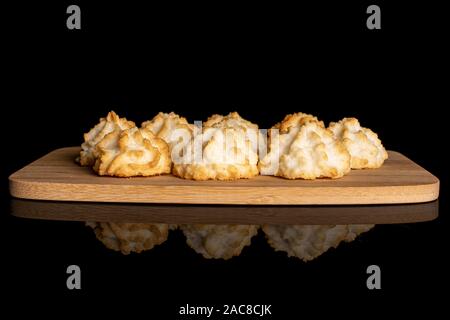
57, 177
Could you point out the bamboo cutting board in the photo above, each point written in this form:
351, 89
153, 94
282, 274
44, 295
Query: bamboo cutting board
57, 177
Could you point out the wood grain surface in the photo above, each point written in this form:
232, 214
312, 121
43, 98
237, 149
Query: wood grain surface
57, 177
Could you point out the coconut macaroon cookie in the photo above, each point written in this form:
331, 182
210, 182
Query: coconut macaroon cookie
110, 123
301, 147
365, 148
132, 152
218, 241
225, 148
170, 127
130, 237
307, 242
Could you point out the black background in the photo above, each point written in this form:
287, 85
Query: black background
264, 61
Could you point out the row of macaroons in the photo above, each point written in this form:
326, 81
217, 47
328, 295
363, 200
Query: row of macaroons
302, 149
305, 242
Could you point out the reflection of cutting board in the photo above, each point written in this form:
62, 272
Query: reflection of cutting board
57, 177
224, 214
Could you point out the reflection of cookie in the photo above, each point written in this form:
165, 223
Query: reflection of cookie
169, 126
218, 241
130, 237
355, 230
226, 149
106, 125
307, 242
132, 152
365, 148
303, 148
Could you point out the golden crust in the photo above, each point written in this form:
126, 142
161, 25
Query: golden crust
365, 149
132, 152
232, 120
130, 237
225, 149
218, 241
214, 119
110, 123
295, 120
307, 242
304, 149
174, 130
163, 126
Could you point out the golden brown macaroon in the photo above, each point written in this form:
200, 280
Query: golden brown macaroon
226, 148
365, 148
132, 152
112, 122
301, 147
